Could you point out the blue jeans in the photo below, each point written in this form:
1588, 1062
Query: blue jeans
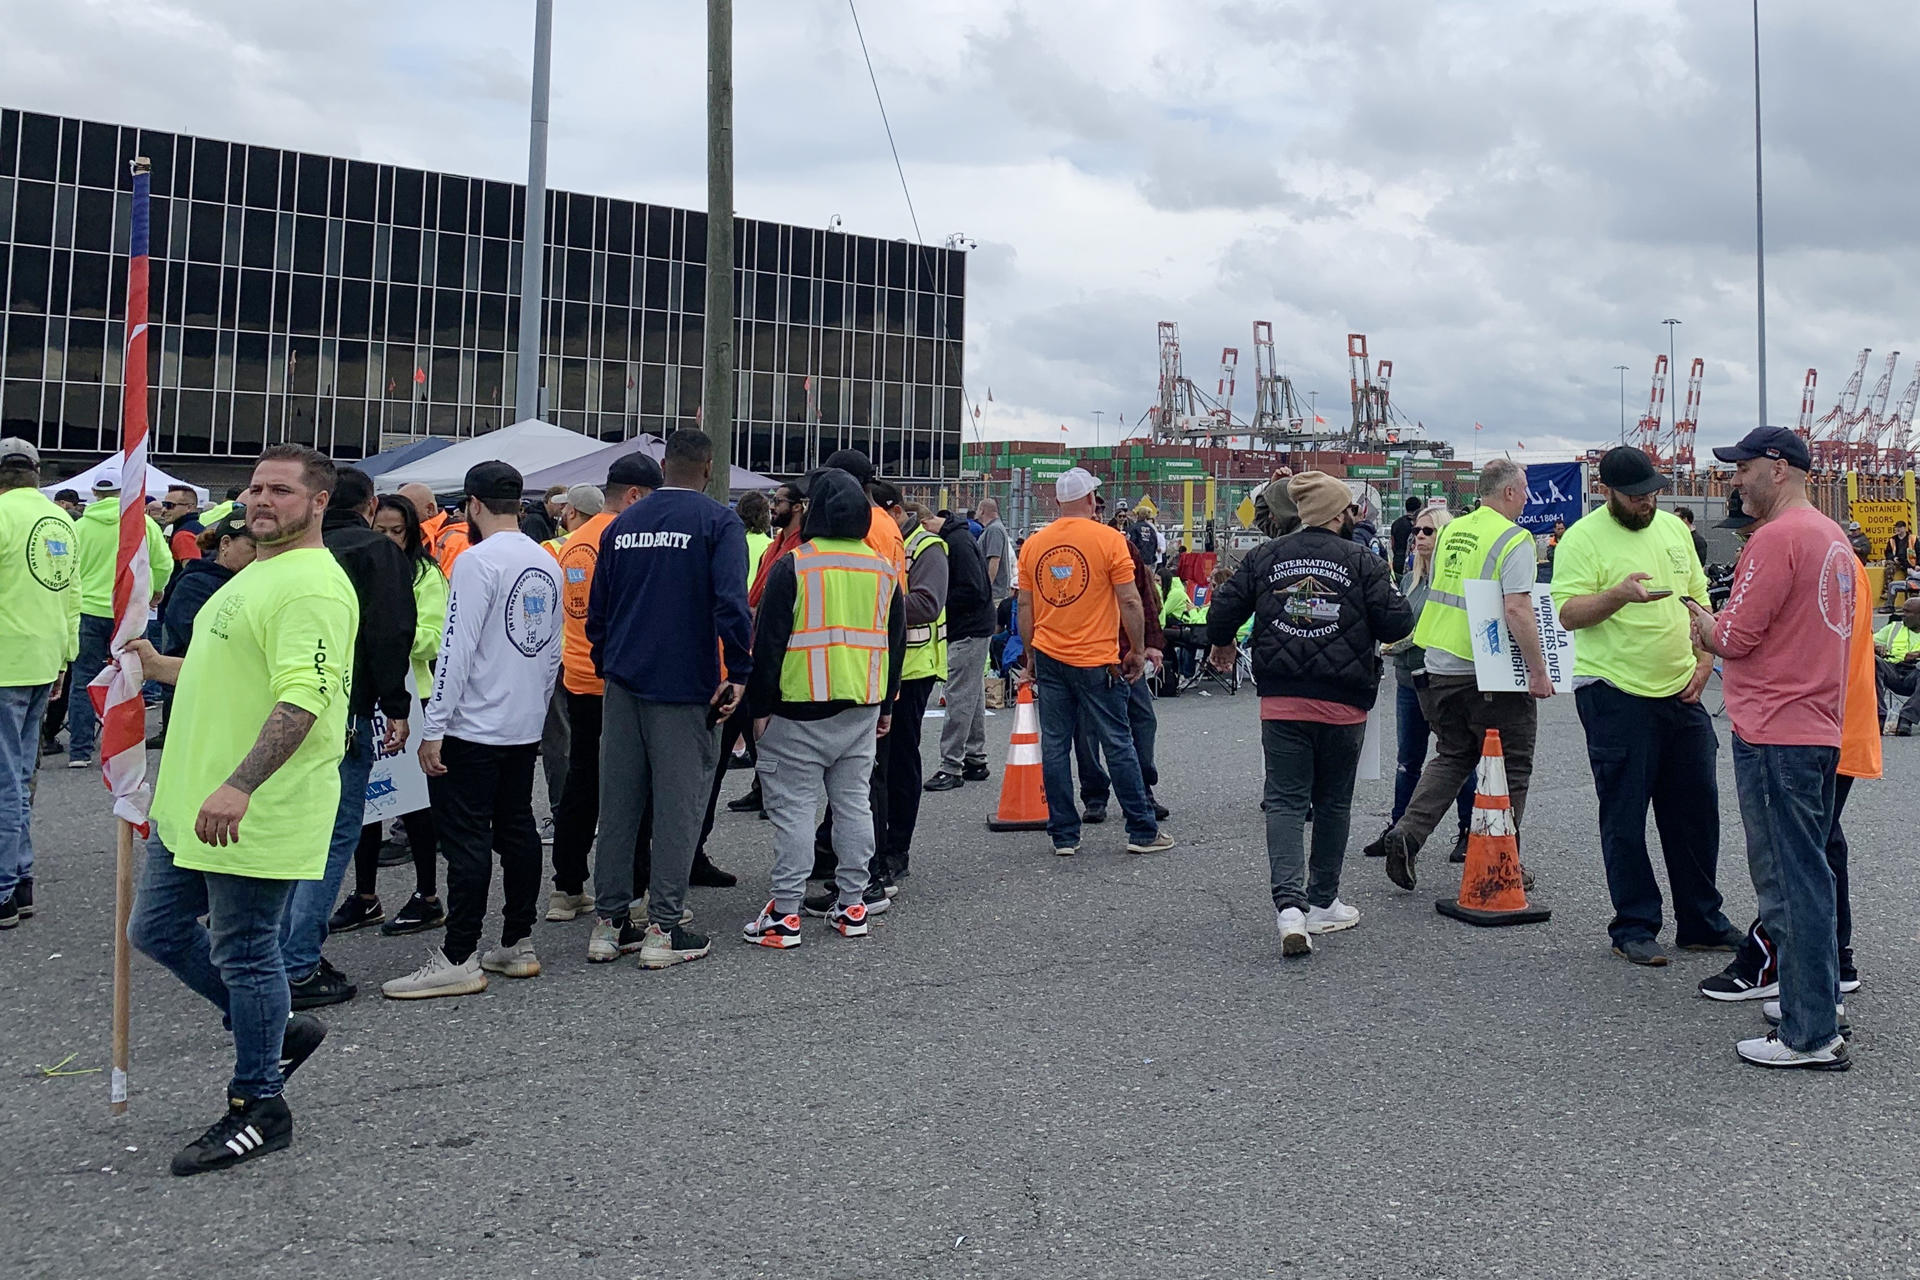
233, 960
304, 930
21, 709
83, 727
1786, 803
1070, 696
1414, 732
1095, 786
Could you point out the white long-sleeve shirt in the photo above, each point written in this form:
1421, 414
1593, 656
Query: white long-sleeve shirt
501, 649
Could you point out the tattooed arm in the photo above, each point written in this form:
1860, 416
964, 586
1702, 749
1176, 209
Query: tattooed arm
286, 728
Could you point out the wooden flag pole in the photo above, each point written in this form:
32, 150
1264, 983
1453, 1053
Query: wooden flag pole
122, 970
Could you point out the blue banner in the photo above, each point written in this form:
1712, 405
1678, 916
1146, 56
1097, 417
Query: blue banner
1554, 492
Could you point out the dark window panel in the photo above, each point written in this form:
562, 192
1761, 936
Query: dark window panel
99, 156
303, 365
893, 358
309, 243
865, 268
9, 143
579, 276
196, 357
303, 420
230, 298
799, 301
39, 146
894, 310
407, 184
20, 410
615, 323
283, 242
336, 188
69, 151
33, 213
491, 331
236, 171
355, 305
895, 263
618, 285
429, 202
924, 367
405, 265
363, 185
249, 424
256, 300
59, 273
689, 392
619, 221
209, 171
832, 342
892, 416
653, 292
766, 254
766, 297
956, 317
250, 362
863, 357
450, 267
202, 296
174, 295
444, 376
865, 308
356, 254
304, 317
80, 423
350, 377
693, 237
312, 197
91, 297
497, 218
446, 316
27, 280
208, 230
453, 204
956, 273
833, 303
351, 439
26, 346
263, 177
257, 230
806, 246
659, 233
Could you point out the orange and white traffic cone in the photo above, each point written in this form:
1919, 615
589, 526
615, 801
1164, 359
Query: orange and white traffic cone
1023, 790
1492, 891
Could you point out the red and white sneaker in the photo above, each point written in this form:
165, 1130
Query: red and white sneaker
849, 922
771, 930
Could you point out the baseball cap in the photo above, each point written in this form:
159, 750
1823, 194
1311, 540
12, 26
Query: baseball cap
636, 468
1737, 517
108, 481
494, 480
1625, 469
586, 499
1769, 442
1074, 484
853, 462
16, 452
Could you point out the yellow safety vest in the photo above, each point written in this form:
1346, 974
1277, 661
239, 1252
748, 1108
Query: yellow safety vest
1474, 546
556, 542
927, 642
1898, 639
838, 649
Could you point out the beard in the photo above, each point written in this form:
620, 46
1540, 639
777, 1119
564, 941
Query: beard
284, 531
1634, 521
1346, 527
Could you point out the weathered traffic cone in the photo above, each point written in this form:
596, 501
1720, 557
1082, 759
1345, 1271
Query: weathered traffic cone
1023, 790
1491, 889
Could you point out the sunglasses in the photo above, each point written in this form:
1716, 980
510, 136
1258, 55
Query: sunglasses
1423, 531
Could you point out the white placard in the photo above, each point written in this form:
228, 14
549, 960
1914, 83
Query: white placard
1370, 746
396, 785
1497, 663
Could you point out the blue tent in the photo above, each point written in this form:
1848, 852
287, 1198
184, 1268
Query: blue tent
388, 459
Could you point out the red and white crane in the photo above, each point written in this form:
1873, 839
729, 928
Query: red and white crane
1863, 428
1229, 364
1648, 428
1688, 424
1829, 443
1805, 429
1898, 454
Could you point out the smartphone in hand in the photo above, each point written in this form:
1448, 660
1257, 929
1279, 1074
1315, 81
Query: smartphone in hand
1659, 593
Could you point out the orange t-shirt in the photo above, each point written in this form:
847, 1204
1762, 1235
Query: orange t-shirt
1071, 568
577, 557
883, 535
1860, 721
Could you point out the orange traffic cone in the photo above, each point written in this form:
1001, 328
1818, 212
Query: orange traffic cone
1491, 892
1023, 791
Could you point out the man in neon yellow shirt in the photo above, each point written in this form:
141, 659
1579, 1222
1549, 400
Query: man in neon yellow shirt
97, 550
248, 790
1896, 668
39, 635
1619, 576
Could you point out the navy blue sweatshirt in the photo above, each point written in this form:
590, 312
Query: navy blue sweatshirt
669, 593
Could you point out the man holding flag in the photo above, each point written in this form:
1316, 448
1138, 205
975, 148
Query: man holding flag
247, 793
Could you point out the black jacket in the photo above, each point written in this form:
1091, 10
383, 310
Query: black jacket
969, 593
382, 578
837, 507
189, 589
1322, 607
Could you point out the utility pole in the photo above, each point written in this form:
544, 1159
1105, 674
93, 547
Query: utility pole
1098, 414
533, 245
716, 396
1759, 220
1671, 376
1622, 371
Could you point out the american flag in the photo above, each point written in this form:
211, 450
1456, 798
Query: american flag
116, 690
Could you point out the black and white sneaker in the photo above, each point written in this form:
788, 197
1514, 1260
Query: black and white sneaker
303, 1035
1849, 976
355, 912
9, 912
324, 986
419, 915
974, 772
1739, 982
1771, 1012
23, 902
246, 1132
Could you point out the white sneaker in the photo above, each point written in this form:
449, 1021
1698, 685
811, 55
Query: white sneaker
1771, 1012
1294, 940
567, 906
1332, 918
1770, 1051
516, 961
439, 976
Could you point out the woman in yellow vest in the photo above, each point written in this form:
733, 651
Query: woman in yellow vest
828, 650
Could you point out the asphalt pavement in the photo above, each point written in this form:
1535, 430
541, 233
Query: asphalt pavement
1034, 1067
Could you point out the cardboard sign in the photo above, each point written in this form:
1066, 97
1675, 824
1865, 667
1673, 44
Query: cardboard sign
396, 785
1497, 662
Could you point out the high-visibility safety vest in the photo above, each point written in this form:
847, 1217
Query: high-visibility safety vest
1898, 639
838, 649
1476, 545
926, 642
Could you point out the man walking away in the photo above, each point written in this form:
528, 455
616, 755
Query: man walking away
1784, 636
96, 541
963, 738
996, 548
1322, 606
629, 479
1076, 592
248, 789
1896, 670
1401, 534
828, 649
1484, 544
480, 734
382, 654
668, 603
39, 636
1619, 577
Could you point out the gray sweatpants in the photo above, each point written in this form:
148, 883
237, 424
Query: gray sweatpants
796, 757
963, 738
668, 751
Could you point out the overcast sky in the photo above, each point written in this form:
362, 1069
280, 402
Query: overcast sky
1506, 196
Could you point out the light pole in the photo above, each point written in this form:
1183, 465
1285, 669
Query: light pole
1622, 371
1097, 415
1672, 379
533, 244
1313, 412
717, 375
1759, 222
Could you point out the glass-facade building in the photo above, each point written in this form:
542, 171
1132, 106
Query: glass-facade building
353, 306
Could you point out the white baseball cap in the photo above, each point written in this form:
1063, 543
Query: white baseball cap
108, 481
1074, 484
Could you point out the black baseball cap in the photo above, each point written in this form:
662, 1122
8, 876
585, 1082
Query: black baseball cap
1625, 469
495, 481
853, 462
636, 468
1769, 442
1737, 517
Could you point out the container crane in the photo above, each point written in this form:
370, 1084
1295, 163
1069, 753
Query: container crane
1829, 443
1805, 429
1229, 364
1898, 455
1648, 427
1688, 424
1863, 428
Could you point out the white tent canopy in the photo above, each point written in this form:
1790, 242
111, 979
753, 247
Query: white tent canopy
526, 446
158, 481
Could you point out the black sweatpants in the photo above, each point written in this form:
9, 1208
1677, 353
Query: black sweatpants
484, 803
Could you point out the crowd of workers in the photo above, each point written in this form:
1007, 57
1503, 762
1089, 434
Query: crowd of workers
630, 638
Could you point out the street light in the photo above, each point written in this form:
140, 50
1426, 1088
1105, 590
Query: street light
1759, 221
1097, 415
1671, 379
1622, 370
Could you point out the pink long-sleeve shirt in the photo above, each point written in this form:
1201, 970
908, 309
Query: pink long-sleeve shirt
1784, 632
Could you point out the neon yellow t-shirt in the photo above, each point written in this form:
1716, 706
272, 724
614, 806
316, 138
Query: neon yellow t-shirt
39, 581
280, 631
1643, 649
